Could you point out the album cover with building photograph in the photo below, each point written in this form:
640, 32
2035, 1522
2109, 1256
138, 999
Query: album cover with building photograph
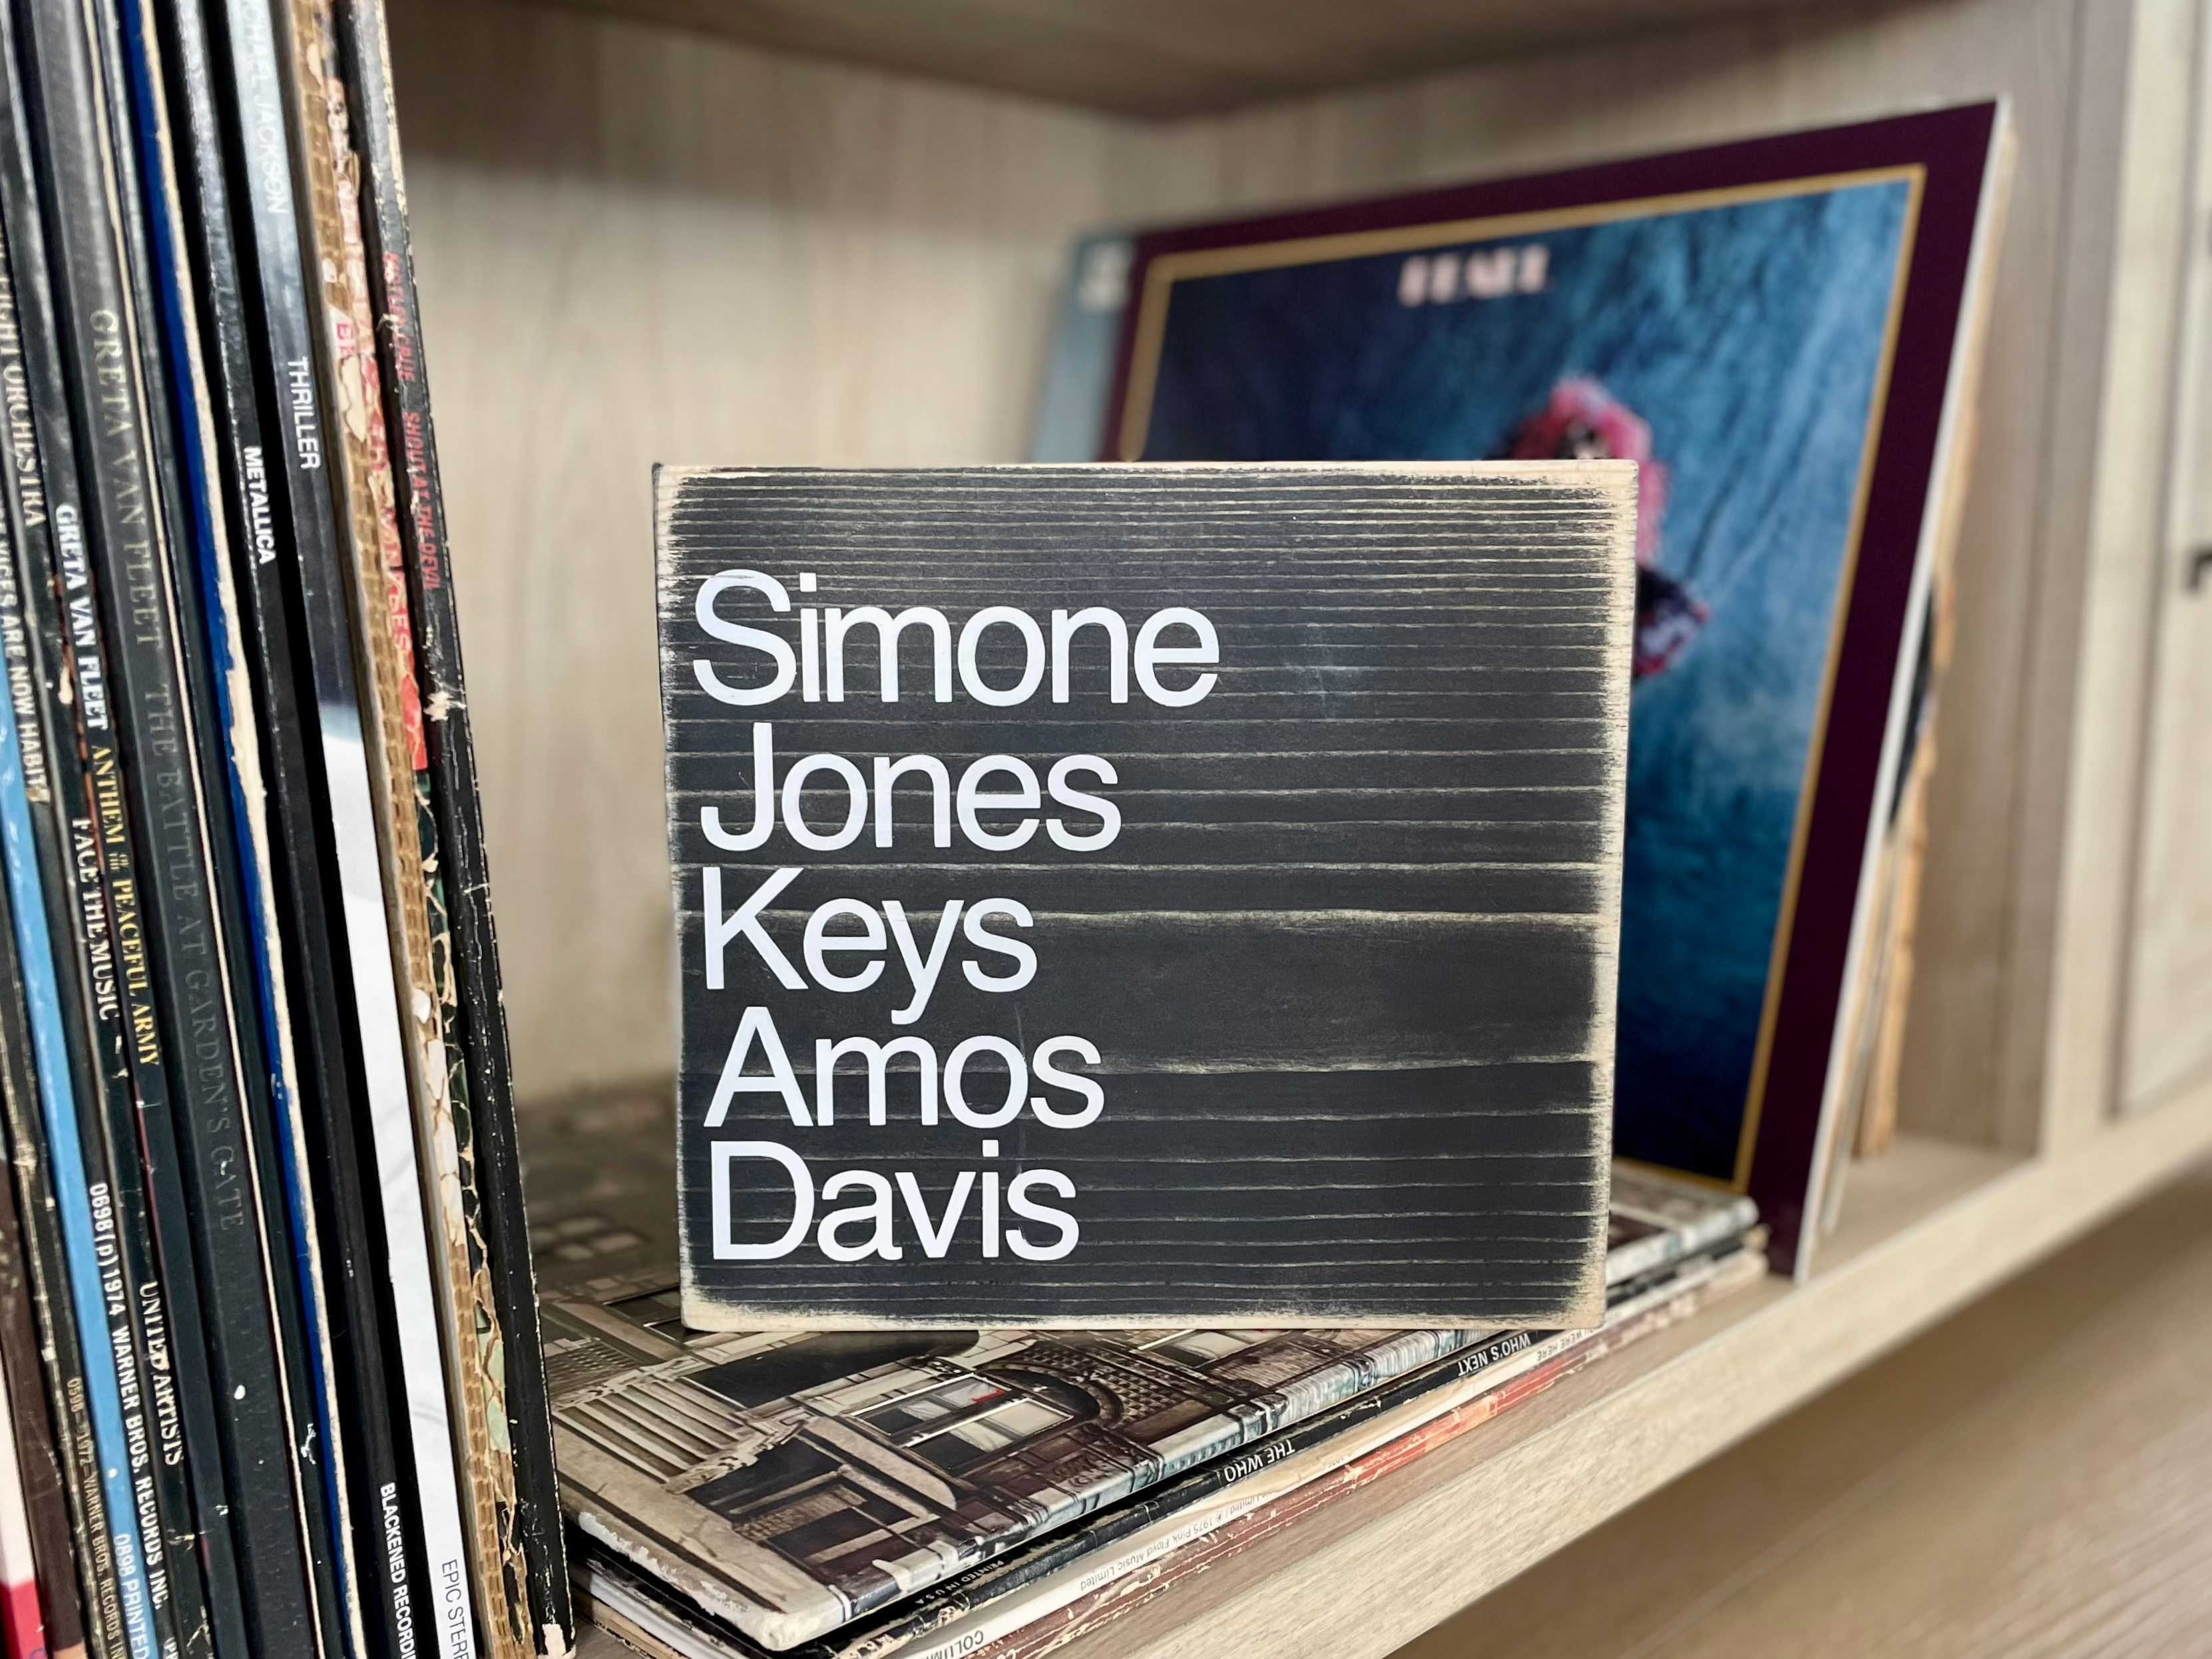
786, 1483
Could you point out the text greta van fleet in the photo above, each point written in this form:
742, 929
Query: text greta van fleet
998, 803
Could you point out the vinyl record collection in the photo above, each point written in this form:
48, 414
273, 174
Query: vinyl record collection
272, 1370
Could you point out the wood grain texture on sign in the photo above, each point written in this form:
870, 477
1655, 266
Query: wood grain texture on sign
1346, 963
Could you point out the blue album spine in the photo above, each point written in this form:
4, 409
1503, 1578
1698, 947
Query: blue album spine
73, 1185
1070, 423
59, 1340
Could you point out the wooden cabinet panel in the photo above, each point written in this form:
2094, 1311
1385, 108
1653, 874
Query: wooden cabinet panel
2168, 1035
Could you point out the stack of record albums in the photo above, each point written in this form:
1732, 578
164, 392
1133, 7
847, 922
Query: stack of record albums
929, 1494
271, 1355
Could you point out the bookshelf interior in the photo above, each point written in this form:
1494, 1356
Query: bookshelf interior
696, 230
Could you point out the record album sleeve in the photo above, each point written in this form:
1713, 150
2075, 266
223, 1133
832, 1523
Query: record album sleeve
38, 1336
1244, 952
477, 1021
343, 1017
1783, 332
58, 201
267, 1440
406, 828
1294, 1471
51, 813
225, 1474
1149, 1567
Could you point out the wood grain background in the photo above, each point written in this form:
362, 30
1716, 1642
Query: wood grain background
1350, 961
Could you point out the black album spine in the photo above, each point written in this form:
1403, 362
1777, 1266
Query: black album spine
276, 1430
325, 859
208, 1319
166, 1361
482, 1018
278, 810
38, 1351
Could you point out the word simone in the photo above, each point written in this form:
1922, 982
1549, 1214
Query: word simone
819, 668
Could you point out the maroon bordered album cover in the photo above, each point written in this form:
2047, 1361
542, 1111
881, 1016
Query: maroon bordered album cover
1782, 332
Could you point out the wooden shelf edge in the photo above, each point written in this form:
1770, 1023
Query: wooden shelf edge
1367, 1576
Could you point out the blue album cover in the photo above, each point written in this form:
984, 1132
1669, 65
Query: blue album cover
1071, 414
1737, 344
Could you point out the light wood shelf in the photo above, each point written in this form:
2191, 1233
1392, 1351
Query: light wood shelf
1171, 58
1939, 1226
2033, 1475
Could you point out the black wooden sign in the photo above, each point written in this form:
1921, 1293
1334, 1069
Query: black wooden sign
1146, 895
